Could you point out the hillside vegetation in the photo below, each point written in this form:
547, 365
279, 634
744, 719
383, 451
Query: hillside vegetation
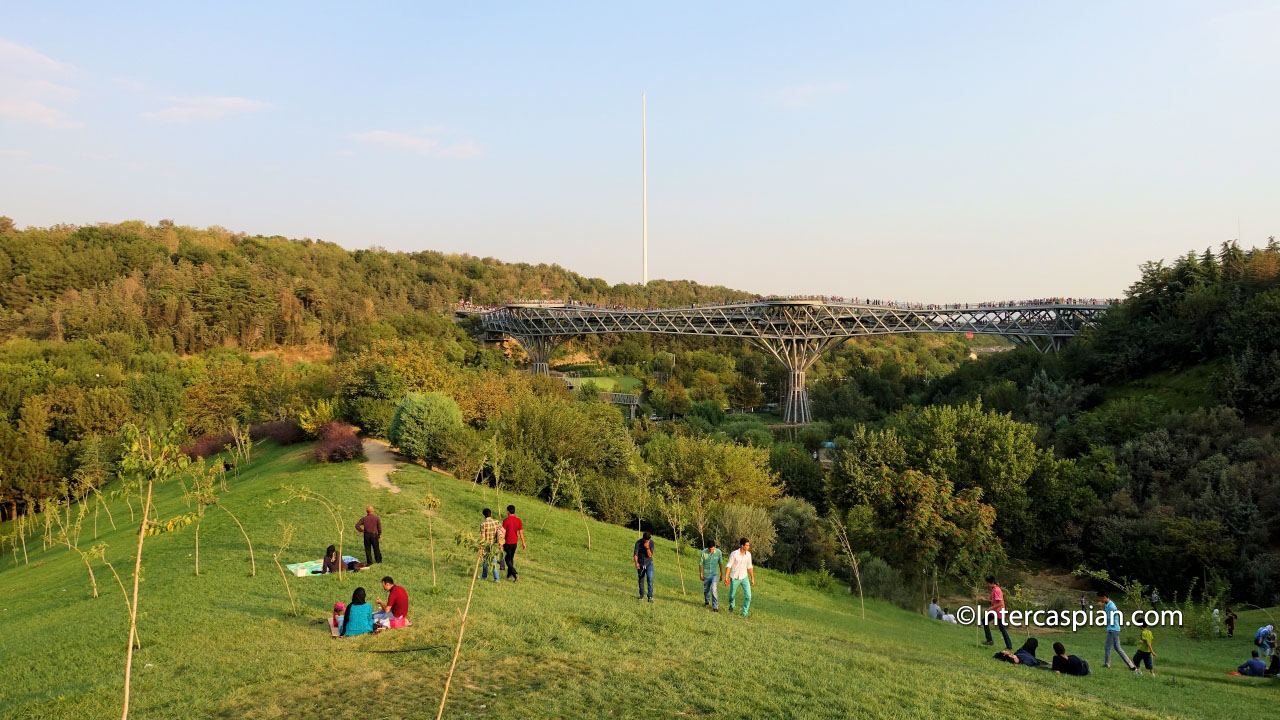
570, 640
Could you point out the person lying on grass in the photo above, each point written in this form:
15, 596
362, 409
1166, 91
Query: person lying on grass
1025, 655
358, 618
1064, 664
333, 561
394, 612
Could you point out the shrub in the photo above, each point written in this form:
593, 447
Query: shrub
822, 579
803, 541
423, 423
282, 432
338, 442
881, 581
372, 415
734, 522
207, 446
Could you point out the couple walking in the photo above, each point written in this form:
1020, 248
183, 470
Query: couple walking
494, 534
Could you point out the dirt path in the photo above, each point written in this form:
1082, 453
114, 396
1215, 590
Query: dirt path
380, 464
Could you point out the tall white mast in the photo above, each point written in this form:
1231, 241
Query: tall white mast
644, 198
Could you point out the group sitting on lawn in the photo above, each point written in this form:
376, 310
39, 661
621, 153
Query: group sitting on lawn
359, 618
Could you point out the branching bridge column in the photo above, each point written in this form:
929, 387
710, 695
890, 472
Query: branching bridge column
797, 355
539, 349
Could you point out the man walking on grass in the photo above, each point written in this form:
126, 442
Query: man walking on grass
1113, 633
709, 570
512, 530
371, 526
997, 607
490, 540
642, 554
737, 572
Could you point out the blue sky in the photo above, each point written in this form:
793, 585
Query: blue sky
925, 151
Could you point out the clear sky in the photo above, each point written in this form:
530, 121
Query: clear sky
925, 151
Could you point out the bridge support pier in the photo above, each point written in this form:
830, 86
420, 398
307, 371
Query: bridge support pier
1041, 343
539, 349
797, 355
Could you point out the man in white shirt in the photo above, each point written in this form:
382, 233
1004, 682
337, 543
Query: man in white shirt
737, 572
948, 617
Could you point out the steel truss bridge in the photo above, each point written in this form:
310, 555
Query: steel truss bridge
795, 332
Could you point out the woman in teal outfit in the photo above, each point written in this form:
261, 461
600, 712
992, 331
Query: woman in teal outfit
358, 618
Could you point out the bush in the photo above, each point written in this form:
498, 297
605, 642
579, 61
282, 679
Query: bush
881, 581
338, 442
803, 541
422, 425
708, 410
282, 432
372, 415
207, 446
822, 579
734, 522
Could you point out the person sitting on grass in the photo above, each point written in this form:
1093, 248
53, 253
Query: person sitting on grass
1274, 669
947, 616
935, 612
1064, 664
395, 611
1253, 667
335, 620
358, 618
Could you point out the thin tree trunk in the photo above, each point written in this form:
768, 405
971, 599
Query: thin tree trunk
461, 629
133, 606
92, 580
431, 533
22, 533
585, 525
285, 577
680, 570
137, 640
198, 521
253, 566
106, 507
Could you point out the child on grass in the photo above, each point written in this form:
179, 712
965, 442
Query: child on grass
335, 621
1145, 652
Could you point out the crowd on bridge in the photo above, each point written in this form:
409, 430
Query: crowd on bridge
468, 306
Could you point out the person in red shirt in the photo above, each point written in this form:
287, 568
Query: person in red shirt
513, 529
997, 607
396, 608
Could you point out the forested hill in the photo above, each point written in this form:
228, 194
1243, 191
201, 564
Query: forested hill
190, 289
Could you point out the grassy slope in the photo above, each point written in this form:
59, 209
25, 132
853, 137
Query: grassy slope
569, 641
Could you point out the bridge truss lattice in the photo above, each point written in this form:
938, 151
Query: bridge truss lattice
795, 332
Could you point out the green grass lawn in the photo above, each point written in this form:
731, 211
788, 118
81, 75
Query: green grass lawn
570, 640
609, 383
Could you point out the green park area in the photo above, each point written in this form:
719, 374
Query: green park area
568, 640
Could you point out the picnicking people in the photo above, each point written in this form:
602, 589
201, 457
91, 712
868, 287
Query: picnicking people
357, 619
394, 613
